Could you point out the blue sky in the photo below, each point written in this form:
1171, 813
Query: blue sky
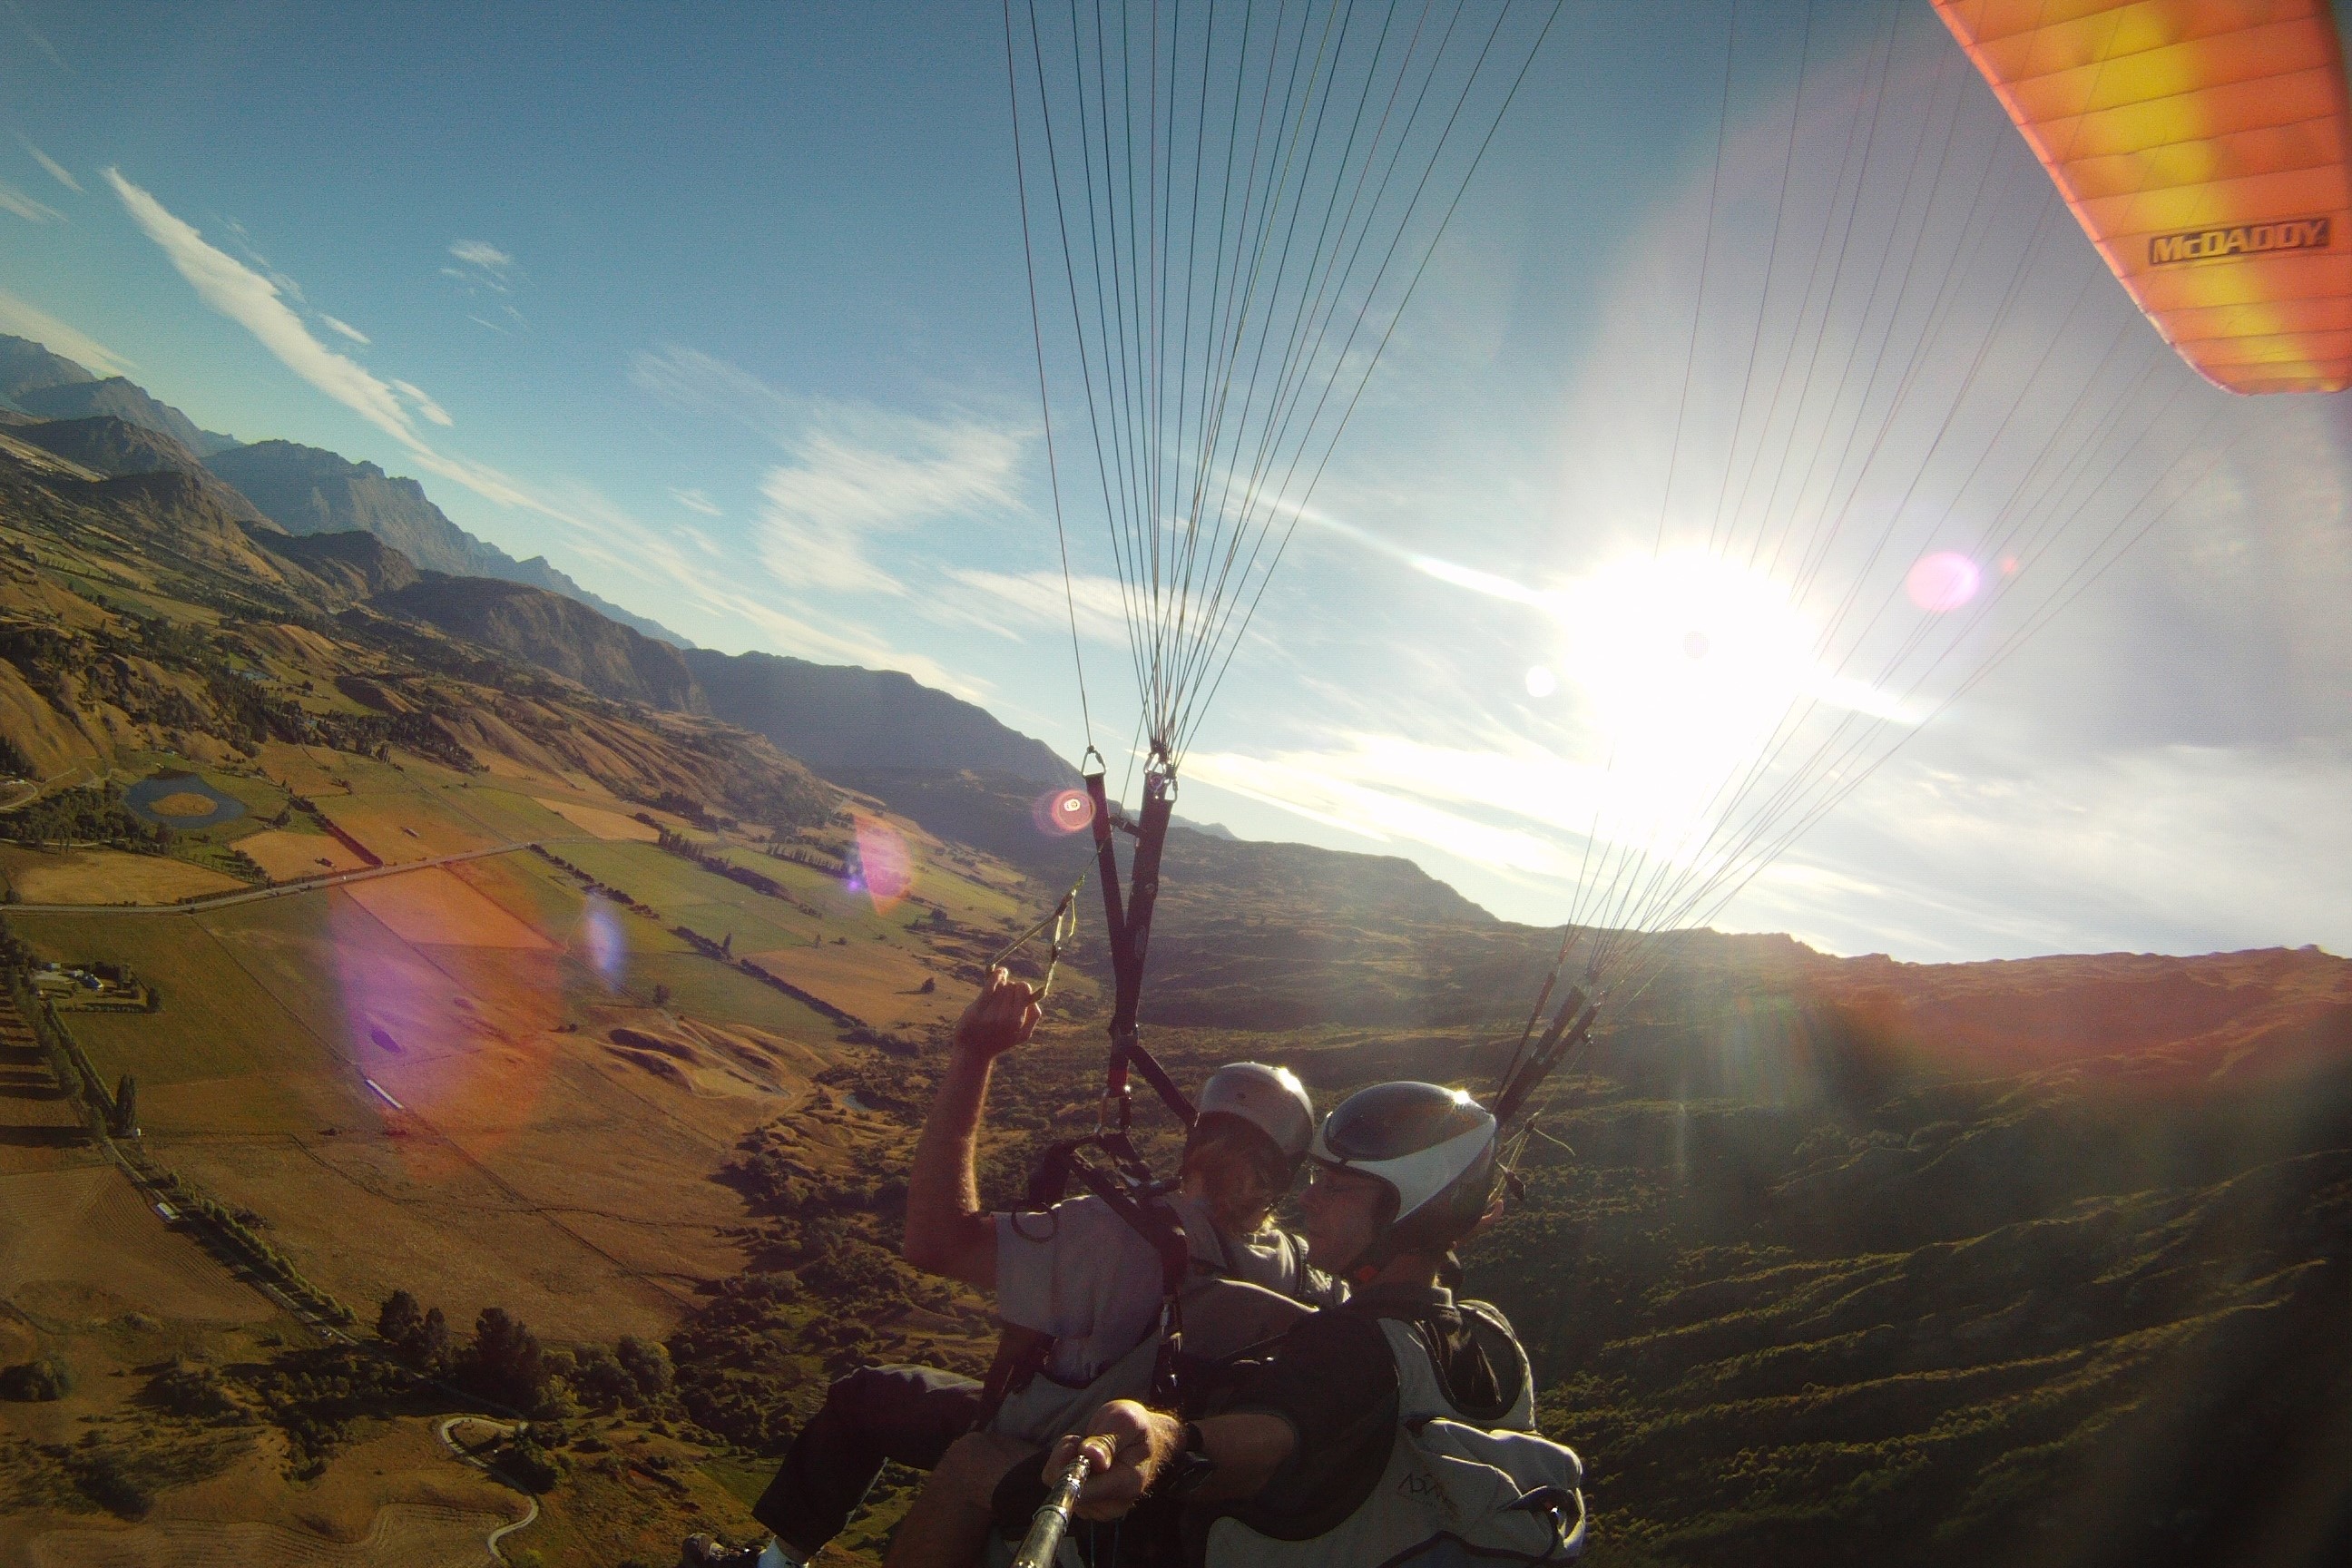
722, 308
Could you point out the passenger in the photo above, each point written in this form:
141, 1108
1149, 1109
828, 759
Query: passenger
1077, 1278
1398, 1428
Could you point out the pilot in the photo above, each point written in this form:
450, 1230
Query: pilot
1075, 1282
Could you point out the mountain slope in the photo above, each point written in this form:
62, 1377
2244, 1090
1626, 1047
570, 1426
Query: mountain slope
28, 366
842, 717
113, 446
355, 563
306, 490
554, 632
125, 400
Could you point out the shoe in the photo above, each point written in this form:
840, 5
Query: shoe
708, 1552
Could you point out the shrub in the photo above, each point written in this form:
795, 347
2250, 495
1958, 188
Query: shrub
103, 1478
34, 1382
647, 1363
191, 1390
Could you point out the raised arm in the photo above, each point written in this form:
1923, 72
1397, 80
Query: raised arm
948, 1233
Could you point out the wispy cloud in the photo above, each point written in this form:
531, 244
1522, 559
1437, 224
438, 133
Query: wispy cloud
2022, 858
1011, 603
34, 33
874, 474
480, 265
254, 302
694, 500
1486, 807
851, 472
57, 170
21, 319
424, 405
13, 200
681, 569
345, 329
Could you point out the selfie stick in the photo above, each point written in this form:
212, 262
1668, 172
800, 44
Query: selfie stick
1047, 1526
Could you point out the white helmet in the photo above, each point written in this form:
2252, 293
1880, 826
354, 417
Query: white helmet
1432, 1147
1271, 1099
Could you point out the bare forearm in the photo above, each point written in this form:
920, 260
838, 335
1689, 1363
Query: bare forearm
1245, 1450
946, 1231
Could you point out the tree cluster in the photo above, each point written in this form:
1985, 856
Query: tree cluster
505, 1364
91, 815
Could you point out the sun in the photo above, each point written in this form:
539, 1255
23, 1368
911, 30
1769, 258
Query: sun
1686, 663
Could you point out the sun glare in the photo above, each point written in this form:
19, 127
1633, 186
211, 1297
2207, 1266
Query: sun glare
1688, 661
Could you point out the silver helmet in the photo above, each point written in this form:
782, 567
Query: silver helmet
1269, 1098
1432, 1147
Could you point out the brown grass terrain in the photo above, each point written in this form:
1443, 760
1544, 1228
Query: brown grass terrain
106, 877
396, 1501
601, 822
433, 907
288, 856
84, 1229
398, 828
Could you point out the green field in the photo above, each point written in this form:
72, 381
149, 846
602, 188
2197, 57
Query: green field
215, 1022
513, 818
673, 885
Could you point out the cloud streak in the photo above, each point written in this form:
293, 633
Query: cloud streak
56, 170
254, 302
881, 474
13, 200
1010, 602
480, 265
34, 33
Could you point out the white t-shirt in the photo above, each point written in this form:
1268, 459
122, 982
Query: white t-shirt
1080, 1273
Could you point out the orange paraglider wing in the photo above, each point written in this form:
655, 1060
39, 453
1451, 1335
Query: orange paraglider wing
2202, 145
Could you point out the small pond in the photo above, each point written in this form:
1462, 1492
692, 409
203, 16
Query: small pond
180, 800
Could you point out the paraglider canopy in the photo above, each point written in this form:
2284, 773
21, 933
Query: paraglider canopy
2202, 146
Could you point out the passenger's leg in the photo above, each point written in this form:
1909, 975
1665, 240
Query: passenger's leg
910, 1413
950, 1522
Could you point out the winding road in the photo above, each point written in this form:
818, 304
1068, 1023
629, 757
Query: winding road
531, 1515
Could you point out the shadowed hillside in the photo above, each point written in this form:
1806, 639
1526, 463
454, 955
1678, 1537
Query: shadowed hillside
552, 632
358, 564
121, 399
114, 446
842, 718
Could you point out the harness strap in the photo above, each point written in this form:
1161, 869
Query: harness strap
1020, 1354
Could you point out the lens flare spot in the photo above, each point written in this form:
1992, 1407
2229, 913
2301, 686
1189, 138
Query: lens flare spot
1944, 582
885, 868
1065, 811
1541, 681
608, 944
1697, 645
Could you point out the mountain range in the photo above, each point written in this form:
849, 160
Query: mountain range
303, 490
